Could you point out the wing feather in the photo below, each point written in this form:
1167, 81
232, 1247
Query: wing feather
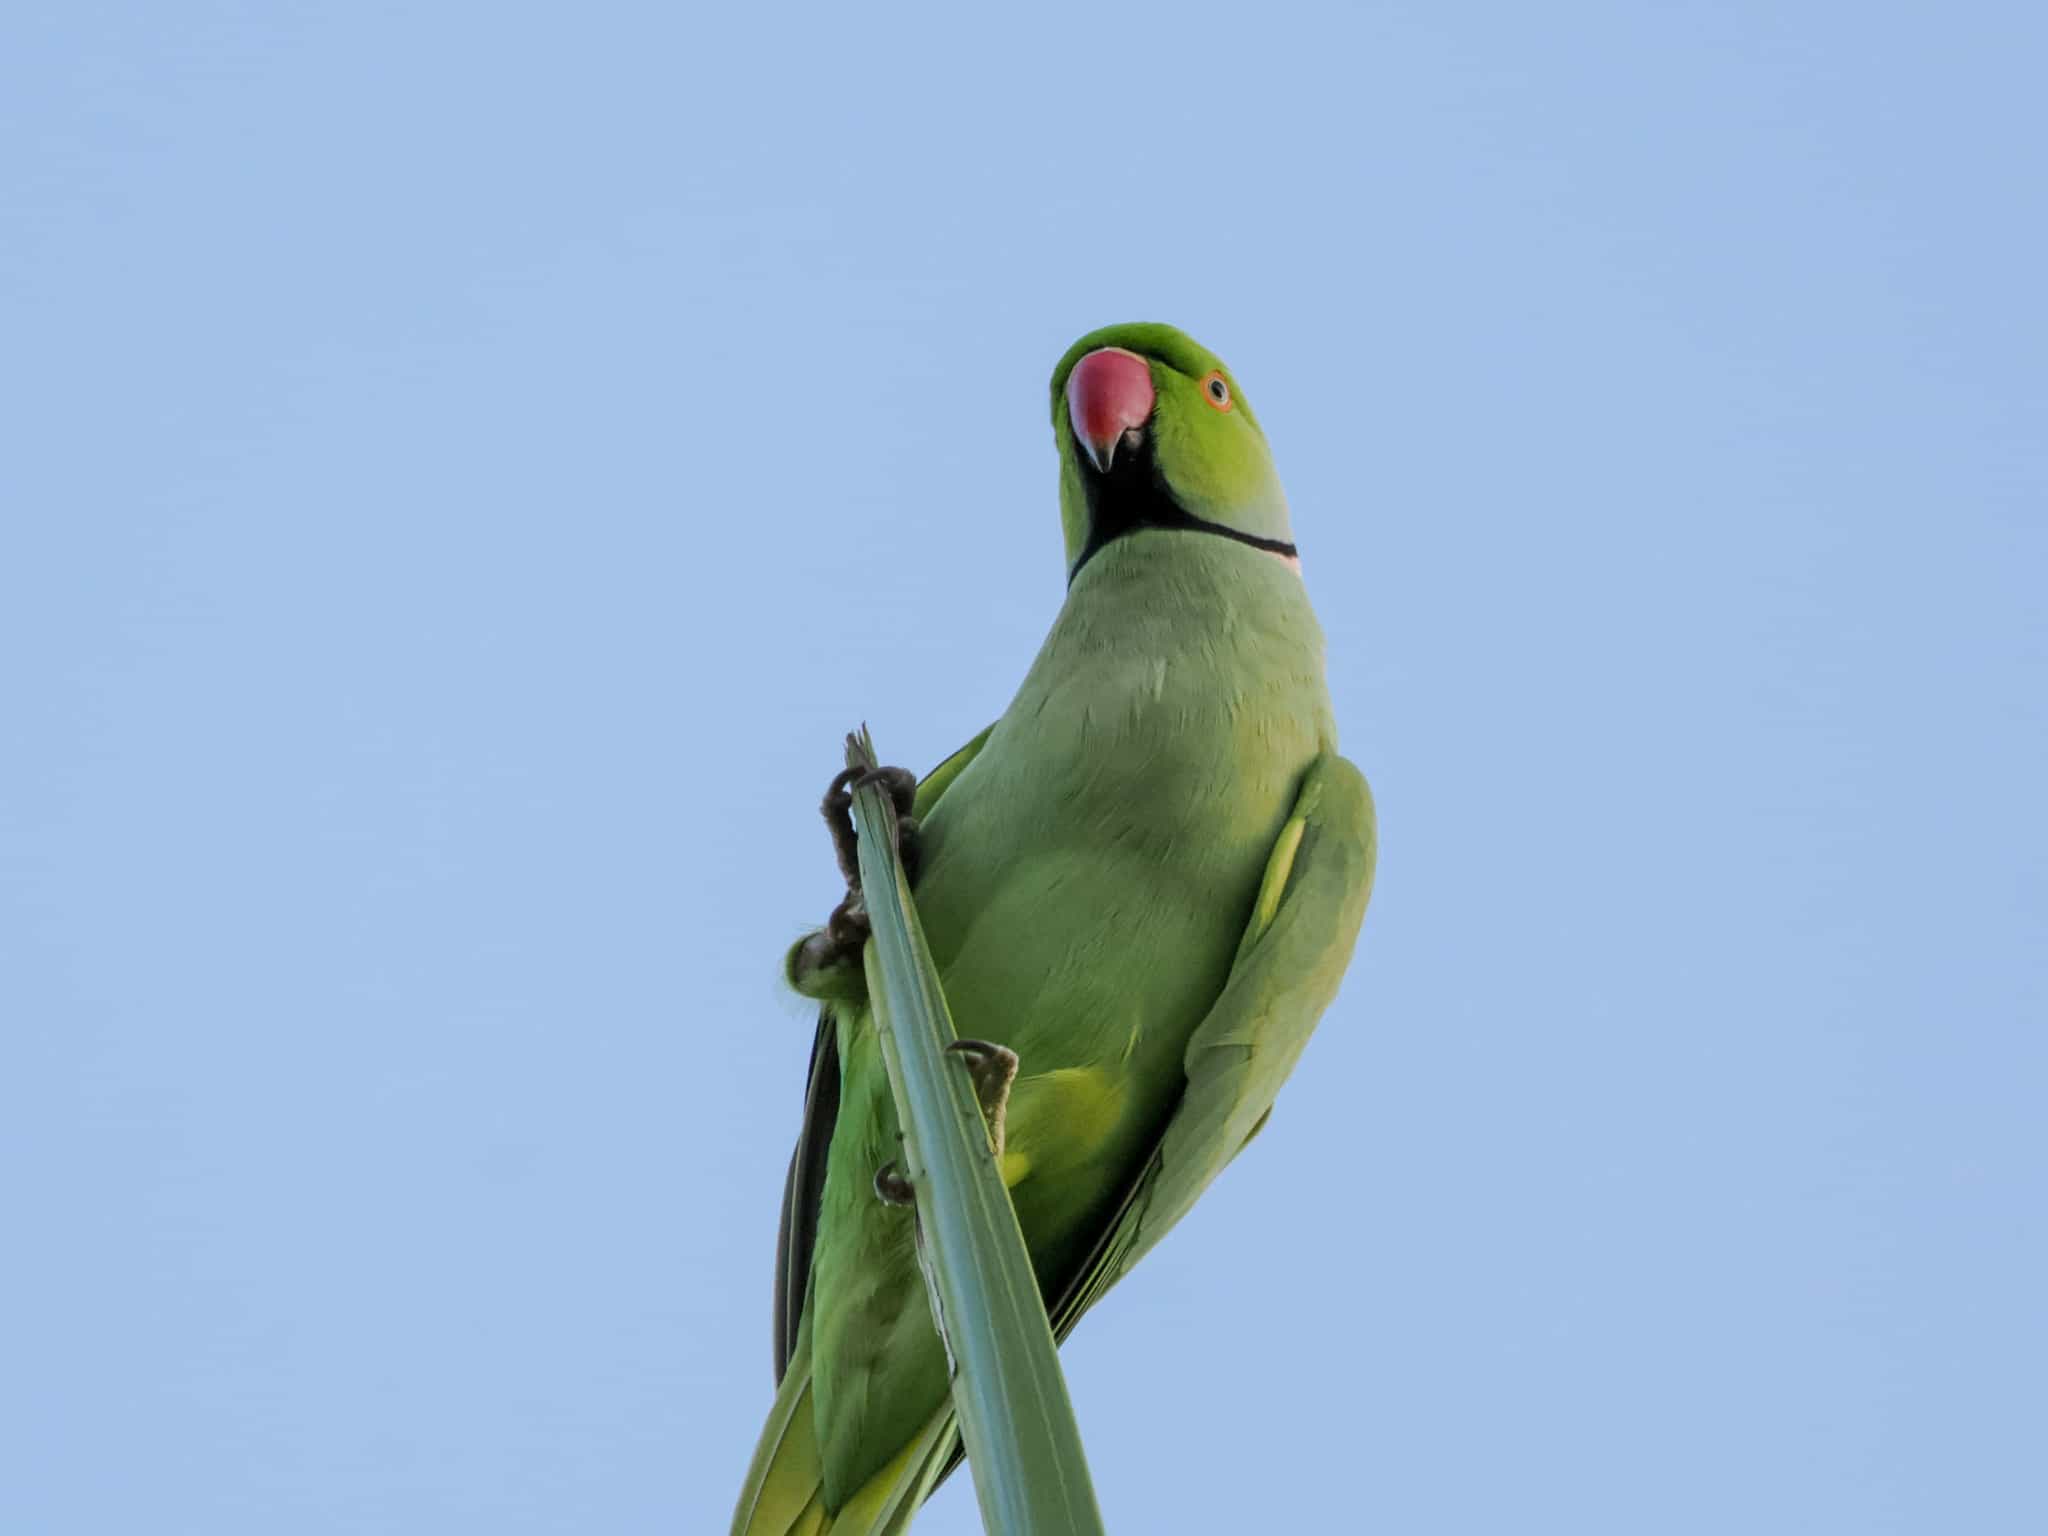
1289, 963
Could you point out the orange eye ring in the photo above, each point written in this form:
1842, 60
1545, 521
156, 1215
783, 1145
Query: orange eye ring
1216, 390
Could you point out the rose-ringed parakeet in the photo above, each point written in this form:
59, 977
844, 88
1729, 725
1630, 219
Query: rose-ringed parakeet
1144, 881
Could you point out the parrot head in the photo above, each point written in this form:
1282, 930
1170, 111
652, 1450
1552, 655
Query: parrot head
1154, 433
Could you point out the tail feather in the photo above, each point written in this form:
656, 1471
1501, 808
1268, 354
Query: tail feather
783, 1486
885, 1504
784, 1491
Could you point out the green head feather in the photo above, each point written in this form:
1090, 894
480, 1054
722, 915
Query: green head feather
1200, 453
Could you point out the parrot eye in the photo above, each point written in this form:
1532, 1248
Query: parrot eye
1217, 391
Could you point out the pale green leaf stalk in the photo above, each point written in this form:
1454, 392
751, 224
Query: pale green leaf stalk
1023, 1446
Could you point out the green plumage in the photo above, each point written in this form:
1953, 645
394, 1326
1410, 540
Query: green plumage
1145, 879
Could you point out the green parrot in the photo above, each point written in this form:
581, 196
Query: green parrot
1141, 885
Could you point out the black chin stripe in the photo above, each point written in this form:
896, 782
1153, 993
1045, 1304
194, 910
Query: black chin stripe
1133, 496
1270, 546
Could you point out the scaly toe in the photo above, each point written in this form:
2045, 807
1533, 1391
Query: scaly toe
993, 1066
900, 783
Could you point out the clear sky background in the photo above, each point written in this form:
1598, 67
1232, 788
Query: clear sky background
464, 467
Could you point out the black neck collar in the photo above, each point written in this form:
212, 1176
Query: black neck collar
1133, 495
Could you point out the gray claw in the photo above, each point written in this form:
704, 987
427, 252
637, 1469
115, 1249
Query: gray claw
901, 784
837, 809
891, 1188
992, 1068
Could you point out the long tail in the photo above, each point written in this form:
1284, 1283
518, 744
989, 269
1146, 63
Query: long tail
784, 1492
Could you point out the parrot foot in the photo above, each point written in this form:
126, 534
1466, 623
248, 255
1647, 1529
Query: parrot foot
835, 946
839, 943
837, 810
891, 1188
845, 931
992, 1068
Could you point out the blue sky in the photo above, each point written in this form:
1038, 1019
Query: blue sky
466, 466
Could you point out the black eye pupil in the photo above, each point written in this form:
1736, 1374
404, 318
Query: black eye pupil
1216, 389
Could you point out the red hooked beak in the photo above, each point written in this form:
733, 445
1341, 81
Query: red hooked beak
1109, 393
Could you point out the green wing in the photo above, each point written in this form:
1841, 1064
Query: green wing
1288, 965
940, 779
